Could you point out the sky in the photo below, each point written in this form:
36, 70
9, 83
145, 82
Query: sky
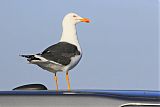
120, 45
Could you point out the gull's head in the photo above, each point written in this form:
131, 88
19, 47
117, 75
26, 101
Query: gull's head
73, 18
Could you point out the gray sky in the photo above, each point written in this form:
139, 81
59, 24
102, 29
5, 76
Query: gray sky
120, 45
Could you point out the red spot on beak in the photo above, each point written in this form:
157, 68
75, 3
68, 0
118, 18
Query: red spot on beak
85, 20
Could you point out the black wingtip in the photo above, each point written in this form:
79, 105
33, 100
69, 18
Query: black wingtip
26, 56
21, 55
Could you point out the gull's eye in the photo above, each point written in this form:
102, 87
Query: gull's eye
74, 16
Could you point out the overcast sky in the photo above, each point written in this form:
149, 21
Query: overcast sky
120, 45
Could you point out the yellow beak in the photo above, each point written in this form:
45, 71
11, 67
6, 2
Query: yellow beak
85, 20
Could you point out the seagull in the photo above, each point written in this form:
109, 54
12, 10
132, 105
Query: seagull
64, 55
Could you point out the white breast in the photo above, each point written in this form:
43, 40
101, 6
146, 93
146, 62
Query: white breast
73, 63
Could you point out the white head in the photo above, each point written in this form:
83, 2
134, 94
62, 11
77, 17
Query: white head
69, 28
73, 18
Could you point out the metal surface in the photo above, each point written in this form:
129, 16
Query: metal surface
78, 98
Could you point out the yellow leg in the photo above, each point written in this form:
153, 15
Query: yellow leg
56, 79
67, 79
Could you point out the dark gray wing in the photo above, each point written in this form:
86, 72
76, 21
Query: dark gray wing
61, 53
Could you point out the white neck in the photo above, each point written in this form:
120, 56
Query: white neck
69, 35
